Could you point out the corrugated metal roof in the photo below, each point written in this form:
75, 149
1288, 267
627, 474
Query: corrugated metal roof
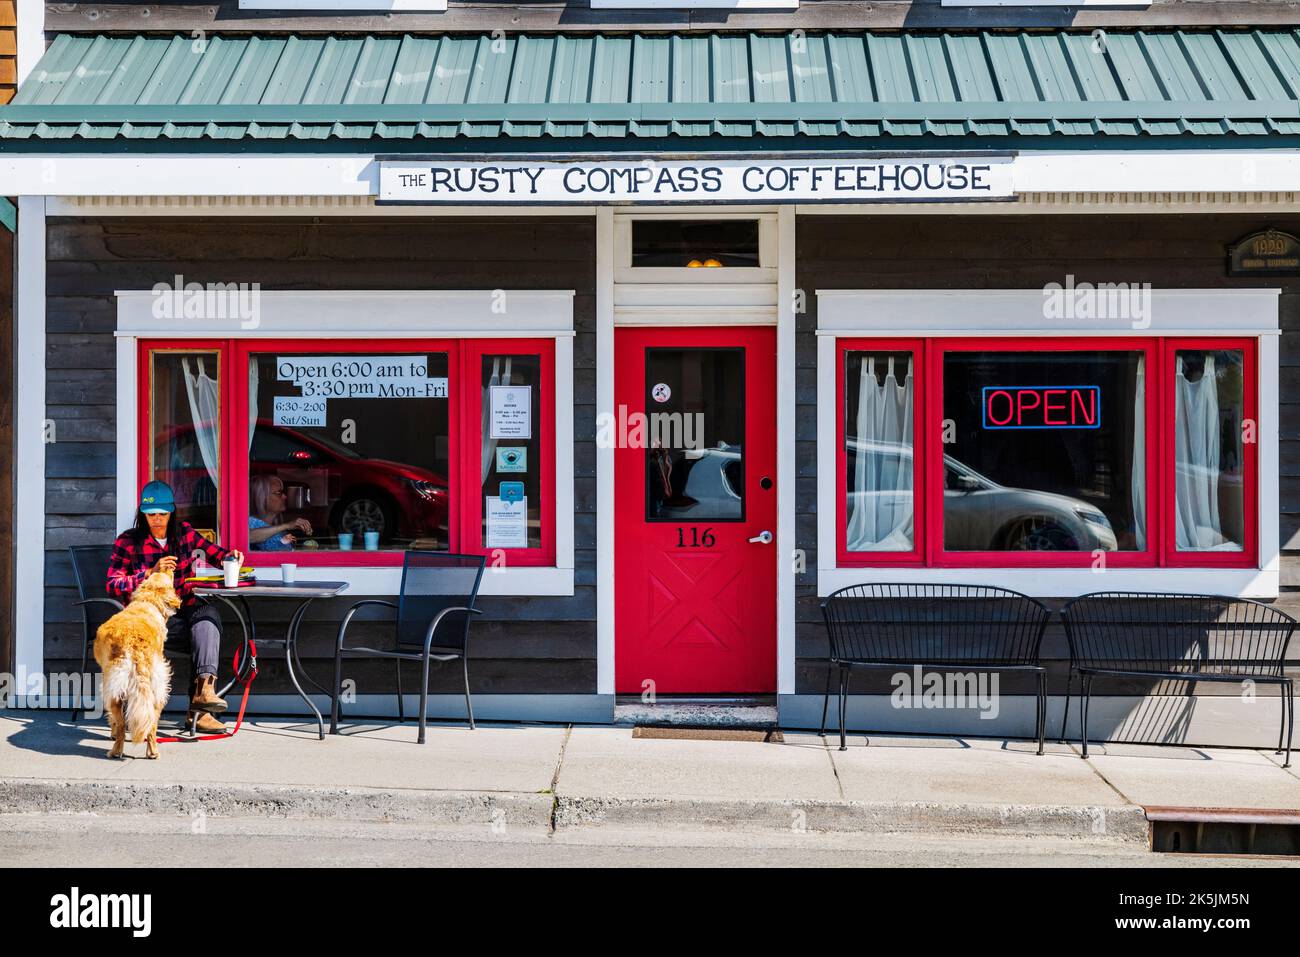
855, 85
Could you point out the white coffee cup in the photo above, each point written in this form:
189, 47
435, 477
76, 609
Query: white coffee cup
230, 568
288, 573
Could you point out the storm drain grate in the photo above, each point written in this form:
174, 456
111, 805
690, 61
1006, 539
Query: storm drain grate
1225, 831
765, 735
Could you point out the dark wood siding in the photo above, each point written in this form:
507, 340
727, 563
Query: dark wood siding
523, 645
1024, 252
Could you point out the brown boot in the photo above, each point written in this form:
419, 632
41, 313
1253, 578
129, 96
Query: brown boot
206, 723
205, 696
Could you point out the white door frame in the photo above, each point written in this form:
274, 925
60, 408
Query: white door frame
688, 302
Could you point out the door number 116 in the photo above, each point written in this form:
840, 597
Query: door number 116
698, 539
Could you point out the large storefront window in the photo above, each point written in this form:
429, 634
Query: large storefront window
349, 453
1044, 451
970, 452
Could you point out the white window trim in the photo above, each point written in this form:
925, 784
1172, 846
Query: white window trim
387, 6
1019, 312
449, 314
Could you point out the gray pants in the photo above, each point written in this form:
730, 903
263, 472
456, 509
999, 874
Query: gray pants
202, 626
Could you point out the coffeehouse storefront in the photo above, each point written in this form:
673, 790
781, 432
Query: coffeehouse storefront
681, 344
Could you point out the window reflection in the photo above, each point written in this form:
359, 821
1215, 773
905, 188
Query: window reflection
1209, 411
357, 444
1047, 451
879, 416
695, 430
186, 446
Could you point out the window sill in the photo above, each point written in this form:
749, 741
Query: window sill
387, 580
1068, 582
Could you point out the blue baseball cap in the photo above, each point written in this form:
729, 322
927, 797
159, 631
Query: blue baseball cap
157, 498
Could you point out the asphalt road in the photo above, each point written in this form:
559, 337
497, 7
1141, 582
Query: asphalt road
144, 841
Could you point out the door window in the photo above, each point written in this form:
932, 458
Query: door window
694, 435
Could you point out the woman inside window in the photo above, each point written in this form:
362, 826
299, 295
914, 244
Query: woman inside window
267, 530
159, 542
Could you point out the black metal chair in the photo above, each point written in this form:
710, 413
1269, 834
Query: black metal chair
90, 570
436, 601
947, 628
1186, 638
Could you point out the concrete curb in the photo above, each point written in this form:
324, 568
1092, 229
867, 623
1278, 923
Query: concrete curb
280, 801
1124, 824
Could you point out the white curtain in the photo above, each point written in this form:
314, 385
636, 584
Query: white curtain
880, 506
1139, 478
499, 377
205, 409
1196, 462
252, 400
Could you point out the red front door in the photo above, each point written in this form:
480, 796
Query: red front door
695, 511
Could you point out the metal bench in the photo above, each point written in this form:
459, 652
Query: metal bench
948, 628
1178, 638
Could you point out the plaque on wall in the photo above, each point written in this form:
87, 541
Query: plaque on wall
1267, 253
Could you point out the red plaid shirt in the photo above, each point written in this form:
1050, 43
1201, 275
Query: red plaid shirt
134, 556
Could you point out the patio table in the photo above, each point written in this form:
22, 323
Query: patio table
238, 601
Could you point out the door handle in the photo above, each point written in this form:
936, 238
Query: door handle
762, 538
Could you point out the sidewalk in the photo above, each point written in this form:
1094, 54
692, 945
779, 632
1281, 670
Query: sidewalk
553, 777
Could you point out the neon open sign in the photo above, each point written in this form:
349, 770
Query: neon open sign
1042, 407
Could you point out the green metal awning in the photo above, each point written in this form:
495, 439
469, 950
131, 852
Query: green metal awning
1045, 89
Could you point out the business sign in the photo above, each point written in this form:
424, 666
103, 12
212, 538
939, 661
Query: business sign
1268, 253
1042, 407
823, 178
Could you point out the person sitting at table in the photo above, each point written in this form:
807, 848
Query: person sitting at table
267, 529
157, 542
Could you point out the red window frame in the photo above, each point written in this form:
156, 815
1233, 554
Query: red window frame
465, 428
1159, 355
471, 503
144, 405
1248, 556
915, 557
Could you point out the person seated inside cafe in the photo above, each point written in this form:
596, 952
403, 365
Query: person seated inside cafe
267, 529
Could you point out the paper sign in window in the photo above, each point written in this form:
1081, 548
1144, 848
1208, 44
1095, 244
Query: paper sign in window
507, 523
295, 411
511, 412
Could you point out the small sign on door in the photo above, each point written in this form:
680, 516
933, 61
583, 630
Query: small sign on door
511, 412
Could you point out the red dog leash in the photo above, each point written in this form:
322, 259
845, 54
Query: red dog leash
243, 703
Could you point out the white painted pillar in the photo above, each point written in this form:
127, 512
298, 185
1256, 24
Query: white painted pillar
29, 437
604, 455
786, 542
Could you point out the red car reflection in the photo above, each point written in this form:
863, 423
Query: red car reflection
328, 483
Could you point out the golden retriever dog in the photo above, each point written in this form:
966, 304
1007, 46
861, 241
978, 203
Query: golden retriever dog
137, 678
